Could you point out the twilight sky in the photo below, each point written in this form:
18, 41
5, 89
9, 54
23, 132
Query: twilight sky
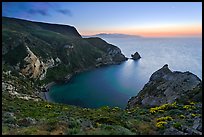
149, 19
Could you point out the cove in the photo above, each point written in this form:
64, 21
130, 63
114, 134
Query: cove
114, 85
106, 86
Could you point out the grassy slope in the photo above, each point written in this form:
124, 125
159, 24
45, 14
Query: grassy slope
53, 118
46, 40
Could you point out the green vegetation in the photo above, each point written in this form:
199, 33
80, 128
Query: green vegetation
29, 117
48, 41
56, 73
54, 118
22, 114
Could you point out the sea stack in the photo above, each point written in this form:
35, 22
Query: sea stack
136, 56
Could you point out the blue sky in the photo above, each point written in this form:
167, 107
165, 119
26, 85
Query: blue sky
138, 18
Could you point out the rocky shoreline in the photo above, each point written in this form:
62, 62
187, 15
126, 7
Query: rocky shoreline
166, 86
46, 88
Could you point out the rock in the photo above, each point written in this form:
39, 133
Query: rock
27, 121
31, 120
86, 124
113, 54
136, 56
197, 124
98, 60
119, 58
68, 46
9, 114
173, 131
191, 131
33, 67
165, 86
58, 60
68, 77
8, 117
4, 86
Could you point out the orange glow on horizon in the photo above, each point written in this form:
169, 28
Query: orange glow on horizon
173, 31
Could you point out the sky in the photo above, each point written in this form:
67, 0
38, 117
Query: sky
148, 19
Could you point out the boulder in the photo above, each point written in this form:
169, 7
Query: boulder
136, 56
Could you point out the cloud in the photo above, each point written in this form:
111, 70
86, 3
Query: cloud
64, 12
38, 11
31, 9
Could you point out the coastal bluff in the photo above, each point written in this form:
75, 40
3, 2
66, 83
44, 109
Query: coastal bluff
166, 86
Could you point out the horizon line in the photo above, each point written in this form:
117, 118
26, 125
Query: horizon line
143, 36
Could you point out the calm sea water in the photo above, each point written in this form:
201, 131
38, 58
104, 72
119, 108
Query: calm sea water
114, 85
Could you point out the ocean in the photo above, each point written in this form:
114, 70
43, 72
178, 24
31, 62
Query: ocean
114, 85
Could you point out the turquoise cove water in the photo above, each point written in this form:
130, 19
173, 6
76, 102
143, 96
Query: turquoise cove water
114, 85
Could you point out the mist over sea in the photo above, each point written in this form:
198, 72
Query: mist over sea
114, 85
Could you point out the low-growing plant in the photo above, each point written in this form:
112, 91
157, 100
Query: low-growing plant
167, 118
182, 116
189, 107
163, 107
161, 124
177, 125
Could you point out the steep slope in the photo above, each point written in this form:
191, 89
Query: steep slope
37, 53
112, 52
25, 113
24, 25
175, 99
166, 86
49, 52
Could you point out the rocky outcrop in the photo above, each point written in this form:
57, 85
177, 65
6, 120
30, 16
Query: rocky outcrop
111, 55
11, 88
33, 47
136, 56
33, 67
166, 86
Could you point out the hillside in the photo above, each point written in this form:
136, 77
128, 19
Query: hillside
34, 54
33, 48
23, 112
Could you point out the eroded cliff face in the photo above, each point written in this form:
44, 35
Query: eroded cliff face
33, 67
32, 47
166, 86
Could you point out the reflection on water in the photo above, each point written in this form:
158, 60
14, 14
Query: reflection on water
114, 85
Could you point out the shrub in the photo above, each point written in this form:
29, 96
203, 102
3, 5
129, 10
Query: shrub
72, 131
167, 118
177, 125
195, 115
48, 106
192, 103
175, 112
163, 107
161, 124
188, 107
182, 116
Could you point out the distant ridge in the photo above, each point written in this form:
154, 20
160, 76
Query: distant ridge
113, 35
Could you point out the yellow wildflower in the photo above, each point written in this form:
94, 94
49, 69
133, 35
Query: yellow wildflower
161, 124
164, 118
192, 103
98, 124
182, 116
48, 106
